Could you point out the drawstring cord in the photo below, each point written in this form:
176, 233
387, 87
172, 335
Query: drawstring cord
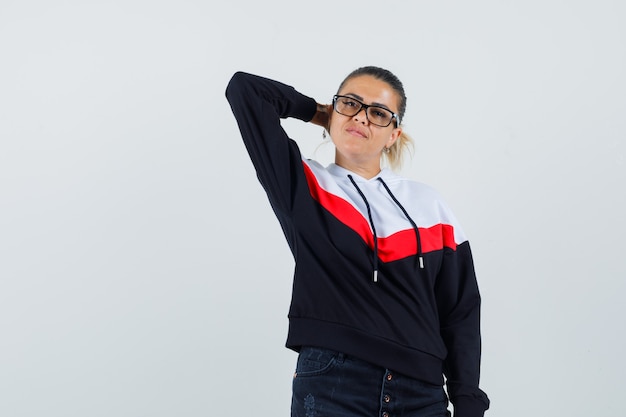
417, 233
420, 257
369, 214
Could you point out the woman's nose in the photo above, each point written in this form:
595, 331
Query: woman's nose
361, 116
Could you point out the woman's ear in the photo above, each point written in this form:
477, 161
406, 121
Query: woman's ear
395, 134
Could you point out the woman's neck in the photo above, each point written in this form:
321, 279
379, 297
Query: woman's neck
365, 170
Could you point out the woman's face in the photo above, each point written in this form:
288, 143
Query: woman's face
358, 142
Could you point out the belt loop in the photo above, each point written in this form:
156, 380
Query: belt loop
340, 357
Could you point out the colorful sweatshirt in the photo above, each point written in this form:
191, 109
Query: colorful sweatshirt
383, 271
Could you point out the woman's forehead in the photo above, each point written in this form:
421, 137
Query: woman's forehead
370, 90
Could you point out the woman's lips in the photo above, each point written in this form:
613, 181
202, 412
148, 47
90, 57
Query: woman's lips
356, 132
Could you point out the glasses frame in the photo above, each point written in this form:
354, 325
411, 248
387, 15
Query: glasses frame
394, 116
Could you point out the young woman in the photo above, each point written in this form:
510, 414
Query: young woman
385, 301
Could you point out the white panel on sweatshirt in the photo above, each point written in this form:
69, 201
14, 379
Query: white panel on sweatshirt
423, 203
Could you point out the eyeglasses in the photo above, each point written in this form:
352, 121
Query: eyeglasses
349, 106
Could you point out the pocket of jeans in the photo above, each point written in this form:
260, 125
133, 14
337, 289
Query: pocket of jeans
315, 361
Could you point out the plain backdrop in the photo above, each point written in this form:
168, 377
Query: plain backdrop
142, 271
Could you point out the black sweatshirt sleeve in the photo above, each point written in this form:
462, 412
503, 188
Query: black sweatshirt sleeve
458, 301
258, 104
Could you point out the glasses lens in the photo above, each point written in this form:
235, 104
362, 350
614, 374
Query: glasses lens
379, 116
347, 106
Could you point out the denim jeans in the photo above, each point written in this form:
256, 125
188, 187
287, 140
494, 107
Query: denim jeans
331, 384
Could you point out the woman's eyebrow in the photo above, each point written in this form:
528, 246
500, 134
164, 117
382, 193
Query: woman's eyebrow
358, 97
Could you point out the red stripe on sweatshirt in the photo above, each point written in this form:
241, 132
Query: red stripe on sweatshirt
391, 248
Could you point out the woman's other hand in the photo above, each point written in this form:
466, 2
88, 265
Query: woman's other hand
322, 115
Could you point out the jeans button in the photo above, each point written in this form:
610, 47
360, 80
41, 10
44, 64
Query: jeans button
387, 398
385, 414
389, 377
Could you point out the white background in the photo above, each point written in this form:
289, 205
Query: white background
142, 271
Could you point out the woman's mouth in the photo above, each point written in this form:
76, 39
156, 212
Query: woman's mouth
356, 132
